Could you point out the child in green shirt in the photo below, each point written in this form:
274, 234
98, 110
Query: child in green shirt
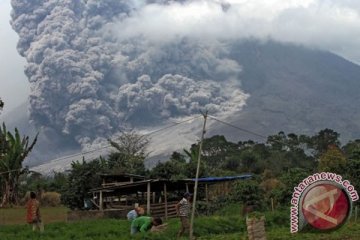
144, 224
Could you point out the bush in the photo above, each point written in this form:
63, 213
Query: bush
279, 218
249, 193
230, 209
50, 199
256, 215
214, 205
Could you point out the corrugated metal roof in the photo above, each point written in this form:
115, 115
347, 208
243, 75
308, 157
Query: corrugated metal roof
121, 175
222, 179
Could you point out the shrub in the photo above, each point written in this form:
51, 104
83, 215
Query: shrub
249, 193
50, 199
278, 218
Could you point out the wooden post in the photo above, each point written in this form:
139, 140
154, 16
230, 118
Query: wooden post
148, 199
187, 187
154, 197
196, 180
101, 201
165, 200
207, 199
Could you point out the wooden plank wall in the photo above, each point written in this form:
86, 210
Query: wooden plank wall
158, 210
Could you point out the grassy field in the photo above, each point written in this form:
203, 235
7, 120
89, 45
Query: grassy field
11, 216
224, 227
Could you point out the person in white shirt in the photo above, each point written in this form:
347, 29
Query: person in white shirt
183, 211
137, 212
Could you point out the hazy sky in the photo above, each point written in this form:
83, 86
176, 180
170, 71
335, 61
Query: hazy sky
14, 87
332, 25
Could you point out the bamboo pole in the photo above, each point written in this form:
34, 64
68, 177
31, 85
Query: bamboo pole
196, 179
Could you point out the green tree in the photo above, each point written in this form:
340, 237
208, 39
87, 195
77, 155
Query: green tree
249, 161
254, 157
249, 193
352, 168
216, 151
351, 148
289, 180
34, 181
191, 167
278, 142
175, 168
13, 151
288, 151
130, 153
323, 140
82, 177
332, 160
57, 182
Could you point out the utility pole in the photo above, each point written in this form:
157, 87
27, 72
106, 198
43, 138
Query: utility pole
196, 178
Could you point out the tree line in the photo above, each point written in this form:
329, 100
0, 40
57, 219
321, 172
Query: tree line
278, 164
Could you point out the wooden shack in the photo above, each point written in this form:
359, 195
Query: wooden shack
158, 197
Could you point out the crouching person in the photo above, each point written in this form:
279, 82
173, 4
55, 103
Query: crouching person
137, 212
144, 224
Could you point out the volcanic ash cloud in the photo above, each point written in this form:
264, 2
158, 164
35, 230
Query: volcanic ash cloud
89, 81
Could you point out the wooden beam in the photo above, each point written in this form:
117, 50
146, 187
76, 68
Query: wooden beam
103, 182
148, 199
95, 203
101, 201
165, 200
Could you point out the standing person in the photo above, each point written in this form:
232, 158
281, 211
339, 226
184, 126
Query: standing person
136, 212
33, 213
183, 211
144, 224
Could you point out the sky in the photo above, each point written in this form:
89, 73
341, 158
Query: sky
332, 25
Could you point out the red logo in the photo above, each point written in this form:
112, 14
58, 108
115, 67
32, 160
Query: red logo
325, 206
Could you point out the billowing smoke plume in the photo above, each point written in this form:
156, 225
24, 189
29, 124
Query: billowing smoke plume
89, 80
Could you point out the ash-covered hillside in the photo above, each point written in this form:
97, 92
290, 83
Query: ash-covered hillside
296, 89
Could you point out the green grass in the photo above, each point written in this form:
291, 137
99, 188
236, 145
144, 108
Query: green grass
351, 231
229, 226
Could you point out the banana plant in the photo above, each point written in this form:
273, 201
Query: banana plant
13, 150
